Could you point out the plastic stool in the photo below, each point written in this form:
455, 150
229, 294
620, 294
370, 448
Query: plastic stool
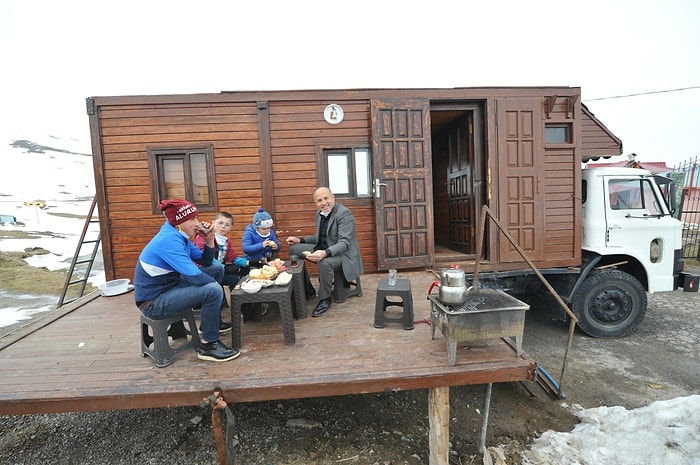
162, 352
401, 289
340, 292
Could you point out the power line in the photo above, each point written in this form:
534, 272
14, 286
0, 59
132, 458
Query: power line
642, 93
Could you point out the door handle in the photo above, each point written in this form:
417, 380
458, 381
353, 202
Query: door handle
376, 187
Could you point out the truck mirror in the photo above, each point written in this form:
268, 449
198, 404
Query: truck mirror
668, 189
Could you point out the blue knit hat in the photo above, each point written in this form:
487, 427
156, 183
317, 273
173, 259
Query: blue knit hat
262, 219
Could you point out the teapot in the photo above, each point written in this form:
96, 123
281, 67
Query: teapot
452, 288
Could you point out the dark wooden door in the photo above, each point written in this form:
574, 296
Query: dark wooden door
521, 168
403, 186
460, 185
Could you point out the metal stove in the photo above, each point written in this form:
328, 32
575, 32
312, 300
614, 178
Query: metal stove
487, 314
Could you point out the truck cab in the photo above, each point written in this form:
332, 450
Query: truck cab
631, 245
626, 217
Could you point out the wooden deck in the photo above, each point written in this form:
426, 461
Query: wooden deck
86, 357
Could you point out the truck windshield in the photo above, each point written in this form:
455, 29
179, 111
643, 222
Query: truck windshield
633, 194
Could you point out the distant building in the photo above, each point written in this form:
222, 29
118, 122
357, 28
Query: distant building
655, 167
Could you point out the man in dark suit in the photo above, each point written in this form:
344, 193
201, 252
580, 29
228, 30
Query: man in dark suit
333, 246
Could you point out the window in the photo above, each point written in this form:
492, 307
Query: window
633, 194
183, 173
347, 171
557, 133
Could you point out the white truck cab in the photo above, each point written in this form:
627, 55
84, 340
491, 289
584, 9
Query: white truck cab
625, 214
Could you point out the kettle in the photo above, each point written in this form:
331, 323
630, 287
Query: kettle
452, 288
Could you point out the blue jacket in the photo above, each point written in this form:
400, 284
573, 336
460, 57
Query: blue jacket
169, 260
252, 243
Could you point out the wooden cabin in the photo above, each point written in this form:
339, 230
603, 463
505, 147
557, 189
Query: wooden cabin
414, 165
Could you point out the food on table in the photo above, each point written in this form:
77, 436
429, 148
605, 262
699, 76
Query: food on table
266, 272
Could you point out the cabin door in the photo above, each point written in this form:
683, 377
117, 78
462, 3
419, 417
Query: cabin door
403, 192
521, 176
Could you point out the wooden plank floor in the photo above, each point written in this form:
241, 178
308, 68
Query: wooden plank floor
89, 358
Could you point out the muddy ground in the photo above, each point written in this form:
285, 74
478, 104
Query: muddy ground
659, 361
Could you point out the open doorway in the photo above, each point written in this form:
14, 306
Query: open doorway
459, 177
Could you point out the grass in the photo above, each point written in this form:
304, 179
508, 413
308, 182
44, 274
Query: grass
17, 276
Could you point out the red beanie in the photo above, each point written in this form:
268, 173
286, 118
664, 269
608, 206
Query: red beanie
177, 211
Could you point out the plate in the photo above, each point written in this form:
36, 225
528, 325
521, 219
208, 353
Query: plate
252, 286
265, 282
129, 288
283, 279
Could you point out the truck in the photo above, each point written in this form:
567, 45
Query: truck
630, 246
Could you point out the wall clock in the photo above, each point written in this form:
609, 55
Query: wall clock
333, 114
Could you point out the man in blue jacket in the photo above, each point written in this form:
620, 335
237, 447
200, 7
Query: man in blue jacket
168, 281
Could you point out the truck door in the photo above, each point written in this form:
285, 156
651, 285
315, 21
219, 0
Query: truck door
637, 220
403, 191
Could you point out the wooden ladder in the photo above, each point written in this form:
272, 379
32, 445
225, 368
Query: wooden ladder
81, 276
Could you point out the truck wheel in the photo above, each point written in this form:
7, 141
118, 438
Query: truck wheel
609, 303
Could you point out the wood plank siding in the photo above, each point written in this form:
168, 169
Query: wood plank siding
268, 151
562, 187
128, 131
298, 134
597, 139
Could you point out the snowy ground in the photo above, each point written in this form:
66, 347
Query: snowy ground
65, 182
664, 432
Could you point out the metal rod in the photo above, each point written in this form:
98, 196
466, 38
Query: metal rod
479, 246
574, 320
485, 407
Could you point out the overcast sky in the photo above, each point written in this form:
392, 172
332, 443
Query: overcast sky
54, 54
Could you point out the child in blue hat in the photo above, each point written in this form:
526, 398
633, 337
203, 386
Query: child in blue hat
259, 239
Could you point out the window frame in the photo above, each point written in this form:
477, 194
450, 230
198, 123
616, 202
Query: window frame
569, 127
156, 155
643, 198
350, 150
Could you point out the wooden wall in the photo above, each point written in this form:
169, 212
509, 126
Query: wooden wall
563, 190
596, 138
298, 134
296, 130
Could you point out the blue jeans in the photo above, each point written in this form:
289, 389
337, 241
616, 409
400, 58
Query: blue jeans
183, 297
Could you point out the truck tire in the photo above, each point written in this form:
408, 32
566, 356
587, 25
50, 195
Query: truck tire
609, 303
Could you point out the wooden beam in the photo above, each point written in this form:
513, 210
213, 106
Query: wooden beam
264, 142
439, 420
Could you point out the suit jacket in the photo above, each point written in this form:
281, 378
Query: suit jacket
342, 240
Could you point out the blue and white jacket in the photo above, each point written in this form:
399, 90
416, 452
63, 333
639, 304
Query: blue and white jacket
169, 260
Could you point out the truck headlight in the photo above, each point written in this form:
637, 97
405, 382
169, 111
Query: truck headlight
655, 251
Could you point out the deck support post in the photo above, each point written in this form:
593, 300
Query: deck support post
439, 421
485, 407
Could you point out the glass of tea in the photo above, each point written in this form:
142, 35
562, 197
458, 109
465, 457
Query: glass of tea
294, 260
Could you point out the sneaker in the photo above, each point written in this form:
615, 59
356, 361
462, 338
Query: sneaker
216, 352
224, 327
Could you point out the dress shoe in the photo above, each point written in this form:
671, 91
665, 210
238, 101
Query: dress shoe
322, 307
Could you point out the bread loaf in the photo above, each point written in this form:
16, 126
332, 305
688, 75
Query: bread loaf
266, 272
